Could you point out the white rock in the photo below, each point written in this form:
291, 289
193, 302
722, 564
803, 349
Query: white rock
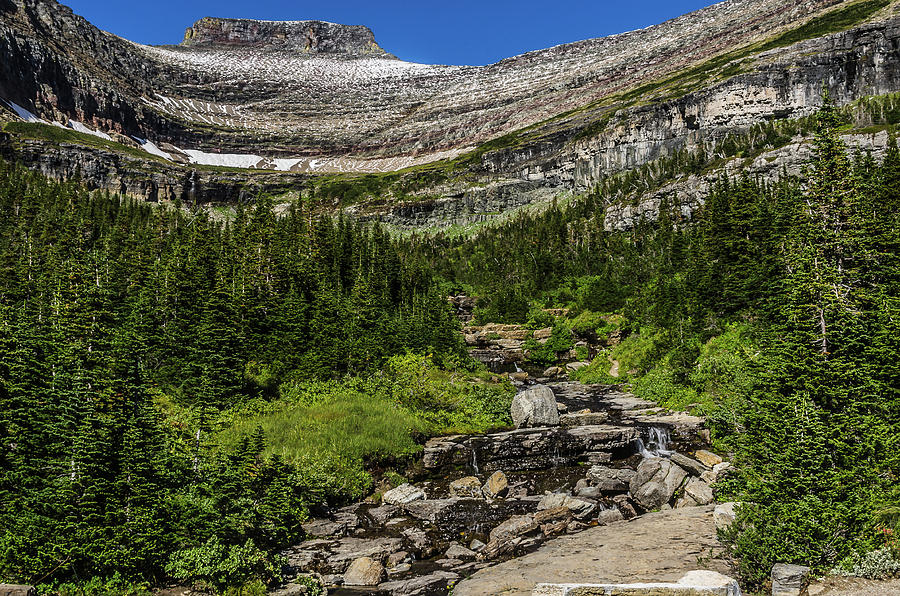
406, 493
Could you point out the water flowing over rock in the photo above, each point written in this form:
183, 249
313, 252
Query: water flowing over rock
535, 407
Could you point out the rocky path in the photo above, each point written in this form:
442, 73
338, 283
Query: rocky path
660, 546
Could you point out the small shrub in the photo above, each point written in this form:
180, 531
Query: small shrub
223, 567
548, 353
876, 564
97, 586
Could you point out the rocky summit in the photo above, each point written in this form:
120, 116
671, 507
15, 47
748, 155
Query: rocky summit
310, 97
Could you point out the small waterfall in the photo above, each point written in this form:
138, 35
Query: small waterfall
657, 444
518, 368
474, 461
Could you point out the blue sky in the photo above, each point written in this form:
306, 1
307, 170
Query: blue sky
457, 32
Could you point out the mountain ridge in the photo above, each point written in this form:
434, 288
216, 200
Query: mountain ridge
565, 127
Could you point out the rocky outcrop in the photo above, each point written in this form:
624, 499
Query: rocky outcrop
325, 104
309, 37
617, 553
233, 88
707, 583
655, 483
535, 407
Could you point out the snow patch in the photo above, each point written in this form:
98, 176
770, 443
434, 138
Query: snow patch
227, 160
151, 148
25, 114
78, 126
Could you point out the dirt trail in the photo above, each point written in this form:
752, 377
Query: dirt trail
659, 546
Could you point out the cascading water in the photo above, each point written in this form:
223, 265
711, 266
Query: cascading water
475, 462
657, 444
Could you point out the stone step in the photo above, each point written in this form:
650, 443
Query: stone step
528, 449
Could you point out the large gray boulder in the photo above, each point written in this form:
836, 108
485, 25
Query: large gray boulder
655, 483
535, 407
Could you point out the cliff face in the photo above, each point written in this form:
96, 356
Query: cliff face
308, 97
309, 37
287, 89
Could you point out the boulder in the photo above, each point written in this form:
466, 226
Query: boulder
514, 527
699, 491
611, 480
466, 488
423, 584
609, 516
579, 507
553, 371
406, 493
535, 407
319, 527
554, 528
589, 492
476, 545
573, 366
724, 515
625, 506
364, 572
381, 515
685, 501
689, 464
457, 551
17, 590
398, 558
707, 458
789, 580
550, 516
655, 483
718, 472
418, 541
399, 569
496, 486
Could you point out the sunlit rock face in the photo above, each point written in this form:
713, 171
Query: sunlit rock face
309, 88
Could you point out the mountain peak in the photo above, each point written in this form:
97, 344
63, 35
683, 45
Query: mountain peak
312, 37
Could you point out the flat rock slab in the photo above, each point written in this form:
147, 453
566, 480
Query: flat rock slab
527, 449
854, 586
657, 547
